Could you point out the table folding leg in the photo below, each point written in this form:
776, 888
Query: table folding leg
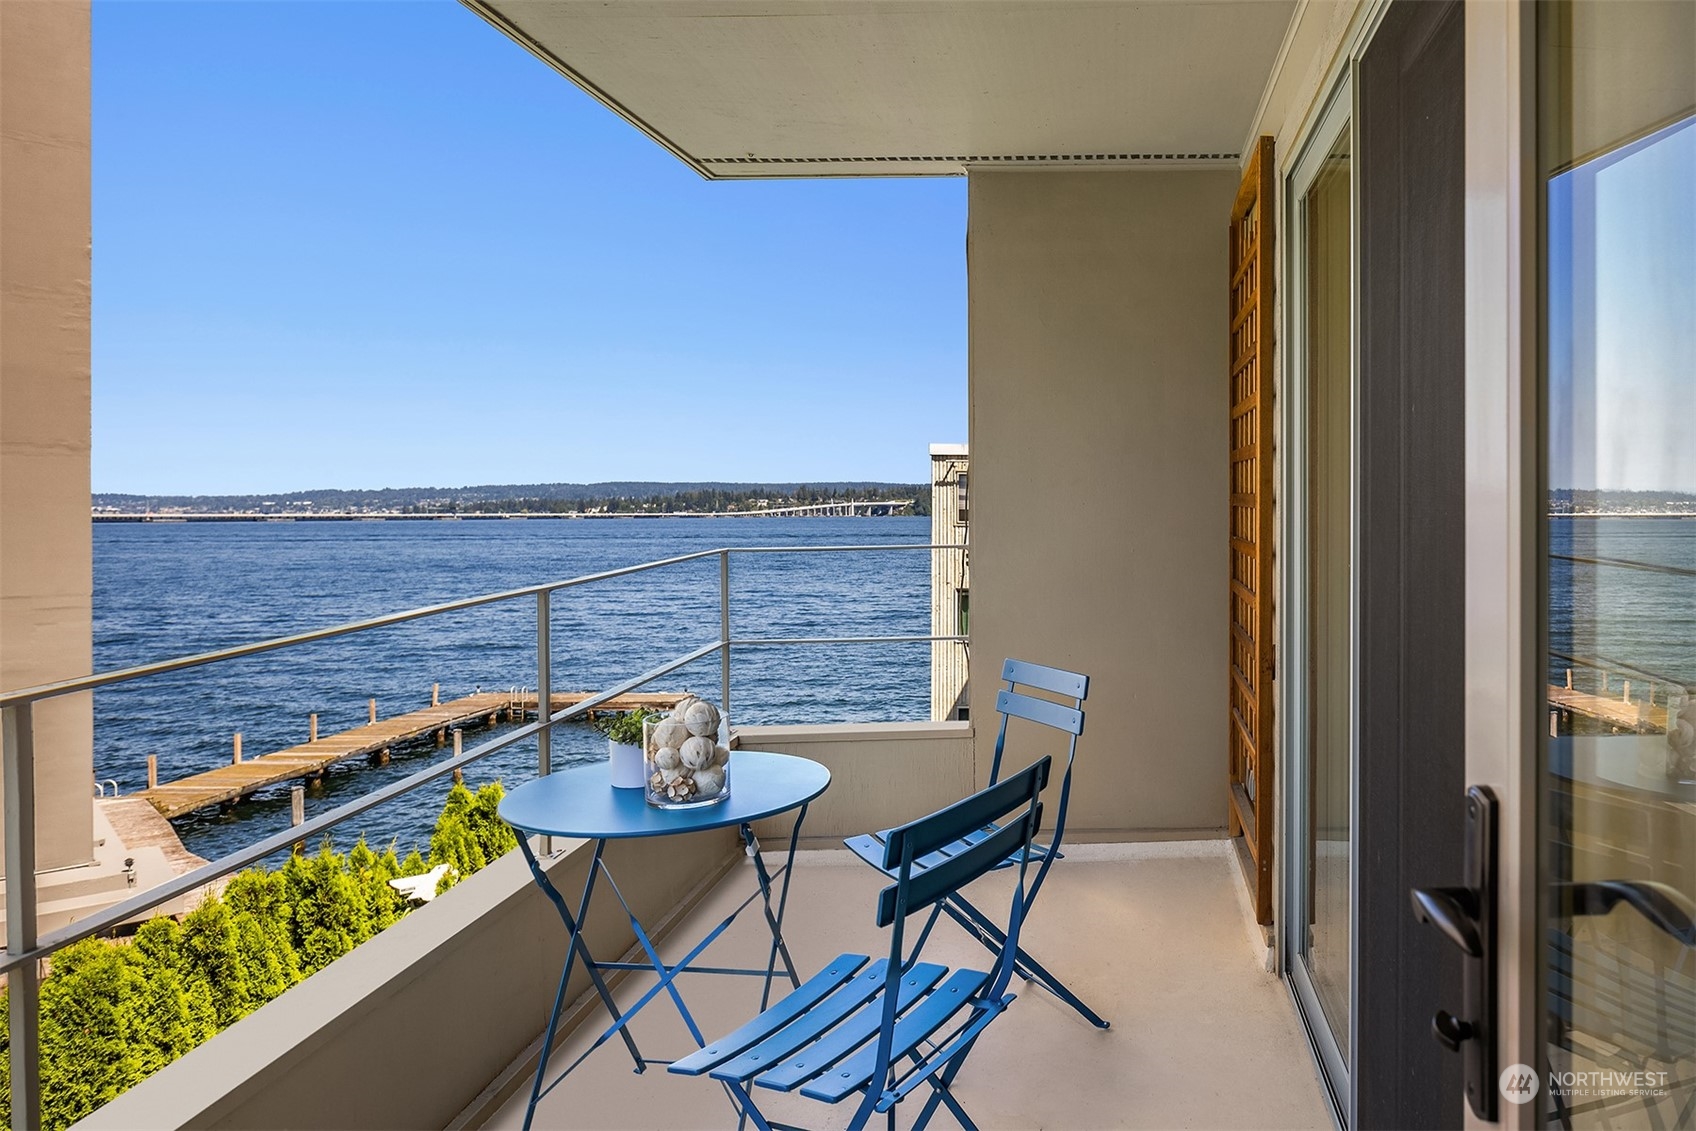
577, 949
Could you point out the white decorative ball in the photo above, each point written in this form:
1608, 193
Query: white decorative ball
708, 782
683, 706
721, 756
697, 753
701, 718
667, 758
670, 732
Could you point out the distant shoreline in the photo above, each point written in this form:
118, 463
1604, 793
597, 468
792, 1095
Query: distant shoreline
860, 510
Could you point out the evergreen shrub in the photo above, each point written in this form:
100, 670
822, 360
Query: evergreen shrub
113, 1012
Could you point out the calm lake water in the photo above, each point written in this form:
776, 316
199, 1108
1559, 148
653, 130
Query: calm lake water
171, 590
1603, 610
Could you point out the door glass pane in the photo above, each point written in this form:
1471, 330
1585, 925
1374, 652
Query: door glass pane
1330, 418
1618, 813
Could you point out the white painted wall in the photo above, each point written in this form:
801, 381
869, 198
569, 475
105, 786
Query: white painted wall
1098, 436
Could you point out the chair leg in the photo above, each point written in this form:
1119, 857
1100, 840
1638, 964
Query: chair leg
745, 1105
868, 1105
994, 940
941, 1094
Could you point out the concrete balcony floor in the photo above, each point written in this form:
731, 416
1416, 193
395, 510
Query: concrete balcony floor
1157, 937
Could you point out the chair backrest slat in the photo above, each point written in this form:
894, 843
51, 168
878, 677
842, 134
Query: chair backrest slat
1055, 680
945, 826
941, 880
1056, 715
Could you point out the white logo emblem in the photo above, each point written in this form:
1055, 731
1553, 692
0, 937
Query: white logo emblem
1518, 1083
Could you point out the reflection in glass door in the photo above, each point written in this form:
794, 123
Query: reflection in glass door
1618, 769
1320, 717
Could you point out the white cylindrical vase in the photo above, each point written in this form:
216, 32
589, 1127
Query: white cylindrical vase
627, 765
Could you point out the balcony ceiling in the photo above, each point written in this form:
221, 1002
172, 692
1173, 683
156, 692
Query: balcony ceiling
786, 88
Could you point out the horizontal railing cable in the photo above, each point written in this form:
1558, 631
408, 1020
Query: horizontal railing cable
141, 671
119, 913
1627, 563
767, 641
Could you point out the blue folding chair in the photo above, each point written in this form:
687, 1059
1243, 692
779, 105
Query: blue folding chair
855, 1026
1010, 702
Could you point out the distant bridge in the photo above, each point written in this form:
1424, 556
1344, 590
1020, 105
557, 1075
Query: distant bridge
839, 509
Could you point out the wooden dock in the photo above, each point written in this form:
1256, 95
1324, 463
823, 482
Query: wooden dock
1633, 716
229, 784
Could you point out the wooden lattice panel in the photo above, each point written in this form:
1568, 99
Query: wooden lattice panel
1251, 795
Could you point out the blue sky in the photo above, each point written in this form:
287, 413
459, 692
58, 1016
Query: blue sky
376, 244
1622, 303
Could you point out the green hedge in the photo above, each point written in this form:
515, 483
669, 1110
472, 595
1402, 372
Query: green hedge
112, 1014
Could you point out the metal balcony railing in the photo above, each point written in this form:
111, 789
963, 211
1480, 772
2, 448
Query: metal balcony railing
26, 948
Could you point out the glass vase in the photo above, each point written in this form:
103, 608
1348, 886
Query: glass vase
695, 773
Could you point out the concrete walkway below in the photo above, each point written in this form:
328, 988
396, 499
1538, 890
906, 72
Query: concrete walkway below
1156, 936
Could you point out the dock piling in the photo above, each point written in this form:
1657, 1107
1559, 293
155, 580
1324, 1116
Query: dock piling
297, 806
435, 695
312, 727
373, 706
458, 748
237, 759
152, 771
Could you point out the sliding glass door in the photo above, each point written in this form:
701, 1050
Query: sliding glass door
1617, 771
1318, 699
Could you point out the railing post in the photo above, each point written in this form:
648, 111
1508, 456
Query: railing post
17, 734
724, 631
544, 686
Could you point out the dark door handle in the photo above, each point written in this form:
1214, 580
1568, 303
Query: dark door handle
1466, 917
1454, 912
1449, 1030
1663, 905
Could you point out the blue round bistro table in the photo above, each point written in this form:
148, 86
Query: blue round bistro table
582, 803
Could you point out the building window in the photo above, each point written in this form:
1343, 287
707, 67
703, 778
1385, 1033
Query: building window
961, 517
963, 611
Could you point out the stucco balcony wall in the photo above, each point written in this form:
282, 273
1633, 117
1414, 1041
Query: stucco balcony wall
1098, 409
882, 774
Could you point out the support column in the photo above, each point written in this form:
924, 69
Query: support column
46, 544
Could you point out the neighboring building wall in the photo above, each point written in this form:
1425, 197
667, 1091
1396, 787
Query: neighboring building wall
1099, 492
950, 579
46, 545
